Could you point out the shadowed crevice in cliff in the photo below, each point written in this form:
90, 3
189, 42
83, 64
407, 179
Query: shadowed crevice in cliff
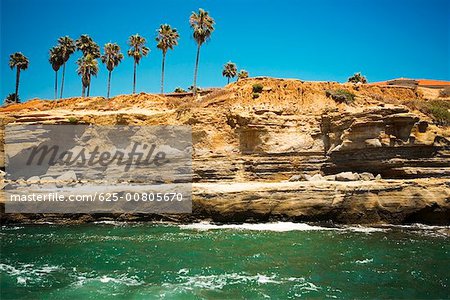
432, 214
399, 162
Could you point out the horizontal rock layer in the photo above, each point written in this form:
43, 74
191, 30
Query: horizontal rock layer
362, 202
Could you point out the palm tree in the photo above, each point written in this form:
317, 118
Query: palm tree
137, 51
242, 74
87, 66
56, 60
167, 38
67, 48
111, 58
88, 47
229, 70
20, 62
203, 26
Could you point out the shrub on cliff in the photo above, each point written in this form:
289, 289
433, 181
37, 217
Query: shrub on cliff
11, 98
179, 90
439, 110
444, 93
72, 120
257, 88
357, 78
242, 74
191, 88
340, 96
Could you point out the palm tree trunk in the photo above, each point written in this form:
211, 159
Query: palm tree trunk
162, 73
228, 80
62, 80
83, 90
194, 90
17, 83
56, 85
134, 78
89, 82
109, 84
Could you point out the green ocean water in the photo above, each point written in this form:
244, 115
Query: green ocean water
281, 261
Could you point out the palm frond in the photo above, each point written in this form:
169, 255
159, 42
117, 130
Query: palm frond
137, 47
56, 58
87, 46
229, 70
18, 60
167, 37
112, 56
202, 24
67, 47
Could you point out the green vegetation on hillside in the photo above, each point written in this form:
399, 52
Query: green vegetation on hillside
257, 88
340, 96
439, 110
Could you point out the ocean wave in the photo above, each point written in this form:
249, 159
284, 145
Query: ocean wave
5, 228
219, 281
418, 226
28, 273
364, 261
423, 230
123, 279
363, 229
278, 227
114, 223
214, 282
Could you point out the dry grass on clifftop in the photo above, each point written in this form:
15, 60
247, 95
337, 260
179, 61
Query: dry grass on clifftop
290, 96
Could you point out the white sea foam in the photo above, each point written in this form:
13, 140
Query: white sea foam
364, 261
11, 228
219, 281
422, 229
278, 227
309, 286
419, 226
363, 229
27, 269
28, 272
115, 223
124, 279
183, 271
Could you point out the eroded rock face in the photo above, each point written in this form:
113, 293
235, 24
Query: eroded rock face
386, 140
396, 201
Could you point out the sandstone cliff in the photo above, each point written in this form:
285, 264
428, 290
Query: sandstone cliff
248, 144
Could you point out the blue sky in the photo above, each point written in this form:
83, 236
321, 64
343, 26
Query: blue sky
309, 40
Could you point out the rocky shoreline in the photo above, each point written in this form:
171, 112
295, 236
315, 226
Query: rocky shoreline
350, 202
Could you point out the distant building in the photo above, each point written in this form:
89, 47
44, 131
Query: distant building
407, 82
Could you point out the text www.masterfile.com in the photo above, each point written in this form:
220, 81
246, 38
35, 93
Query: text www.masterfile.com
93, 197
